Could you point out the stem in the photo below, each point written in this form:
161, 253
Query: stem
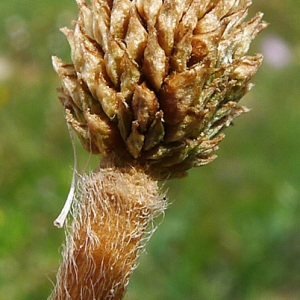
112, 211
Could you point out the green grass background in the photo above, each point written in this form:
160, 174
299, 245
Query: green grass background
233, 229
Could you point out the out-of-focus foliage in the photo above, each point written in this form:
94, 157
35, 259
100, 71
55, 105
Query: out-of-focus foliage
233, 229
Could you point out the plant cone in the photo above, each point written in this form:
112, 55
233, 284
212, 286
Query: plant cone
156, 82
151, 86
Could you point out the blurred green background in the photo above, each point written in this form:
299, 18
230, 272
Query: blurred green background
233, 229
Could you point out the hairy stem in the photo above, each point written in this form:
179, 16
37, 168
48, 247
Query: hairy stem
112, 218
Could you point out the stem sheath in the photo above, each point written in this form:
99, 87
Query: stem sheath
112, 219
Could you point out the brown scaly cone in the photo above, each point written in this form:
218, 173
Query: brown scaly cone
151, 87
156, 82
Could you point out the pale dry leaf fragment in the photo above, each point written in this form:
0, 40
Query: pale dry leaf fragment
60, 220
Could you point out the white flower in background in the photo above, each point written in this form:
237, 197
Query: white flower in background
276, 51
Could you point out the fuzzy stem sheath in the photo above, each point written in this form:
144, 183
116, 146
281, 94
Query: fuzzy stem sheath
112, 218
